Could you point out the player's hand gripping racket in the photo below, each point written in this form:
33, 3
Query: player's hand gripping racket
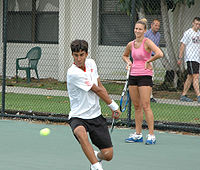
125, 94
115, 116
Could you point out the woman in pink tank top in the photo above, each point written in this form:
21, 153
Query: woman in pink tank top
140, 80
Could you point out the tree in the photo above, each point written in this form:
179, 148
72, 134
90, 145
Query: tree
175, 75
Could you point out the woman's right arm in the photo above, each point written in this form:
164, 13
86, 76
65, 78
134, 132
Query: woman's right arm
126, 54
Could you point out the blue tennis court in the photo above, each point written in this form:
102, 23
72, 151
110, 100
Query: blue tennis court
22, 148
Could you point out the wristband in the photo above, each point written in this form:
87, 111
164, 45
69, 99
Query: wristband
114, 106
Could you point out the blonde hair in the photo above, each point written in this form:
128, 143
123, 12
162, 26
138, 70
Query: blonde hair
142, 21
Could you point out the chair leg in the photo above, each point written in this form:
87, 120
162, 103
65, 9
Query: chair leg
37, 74
28, 75
16, 74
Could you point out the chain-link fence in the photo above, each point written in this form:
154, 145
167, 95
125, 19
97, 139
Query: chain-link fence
107, 25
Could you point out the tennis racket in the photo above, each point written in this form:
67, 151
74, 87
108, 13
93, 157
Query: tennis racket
115, 116
125, 94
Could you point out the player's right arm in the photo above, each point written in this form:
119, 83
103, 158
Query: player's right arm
103, 94
126, 54
181, 51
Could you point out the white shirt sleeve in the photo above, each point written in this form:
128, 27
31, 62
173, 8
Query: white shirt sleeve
186, 38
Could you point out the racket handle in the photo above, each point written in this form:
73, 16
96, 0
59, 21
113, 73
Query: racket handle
115, 115
128, 72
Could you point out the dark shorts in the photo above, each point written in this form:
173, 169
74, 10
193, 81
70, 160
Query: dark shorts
97, 129
192, 67
140, 81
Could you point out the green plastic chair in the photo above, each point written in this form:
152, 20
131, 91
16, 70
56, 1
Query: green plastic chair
33, 57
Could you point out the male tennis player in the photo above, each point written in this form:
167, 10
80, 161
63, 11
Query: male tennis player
190, 44
84, 89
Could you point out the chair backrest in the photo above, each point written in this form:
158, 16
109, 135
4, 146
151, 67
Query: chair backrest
33, 56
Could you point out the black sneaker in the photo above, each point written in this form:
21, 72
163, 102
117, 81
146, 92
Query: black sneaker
153, 100
198, 99
185, 99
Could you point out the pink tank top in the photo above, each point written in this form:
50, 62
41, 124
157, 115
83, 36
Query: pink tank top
140, 56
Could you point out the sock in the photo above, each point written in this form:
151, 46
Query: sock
152, 136
97, 166
96, 154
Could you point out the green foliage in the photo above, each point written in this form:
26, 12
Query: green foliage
150, 6
171, 4
126, 5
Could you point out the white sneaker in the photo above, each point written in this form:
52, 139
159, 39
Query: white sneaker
151, 139
99, 160
134, 138
92, 167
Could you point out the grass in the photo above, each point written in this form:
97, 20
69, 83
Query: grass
52, 84
41, 103
113, 87
176, 113
51, 104
56, 104
37, 103
49, 83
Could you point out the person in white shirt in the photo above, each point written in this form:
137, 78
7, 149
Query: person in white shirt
84, 90
190, 44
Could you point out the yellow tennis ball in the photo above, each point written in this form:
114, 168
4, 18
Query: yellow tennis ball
45, 132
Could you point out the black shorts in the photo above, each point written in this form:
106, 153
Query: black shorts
97, 129
192, 67
140, 81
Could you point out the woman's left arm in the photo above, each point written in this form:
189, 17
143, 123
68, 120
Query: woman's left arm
152, 47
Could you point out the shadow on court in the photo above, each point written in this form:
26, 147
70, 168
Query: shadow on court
22, 148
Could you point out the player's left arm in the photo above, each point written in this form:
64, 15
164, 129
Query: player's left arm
150, 46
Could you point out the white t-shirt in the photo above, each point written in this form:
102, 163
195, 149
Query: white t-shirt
84, 102
192, 41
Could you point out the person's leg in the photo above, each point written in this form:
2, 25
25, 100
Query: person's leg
187, 84
100, 137
152, 99
196, 84
135, 98
105, 154
81, 134
145, 92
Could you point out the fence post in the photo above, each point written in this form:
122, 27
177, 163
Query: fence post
5, 9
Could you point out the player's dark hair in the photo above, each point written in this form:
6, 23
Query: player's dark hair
196, 18
78, 45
